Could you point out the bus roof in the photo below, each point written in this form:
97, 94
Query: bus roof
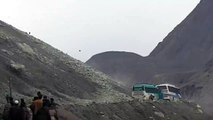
166, 84
145, 85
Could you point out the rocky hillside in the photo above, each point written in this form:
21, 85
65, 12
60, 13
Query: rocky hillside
82, 92
189, 46
183, 58
136, 110
124, 67
32, 65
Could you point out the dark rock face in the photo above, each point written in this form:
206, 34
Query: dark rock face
189, 45
183, 58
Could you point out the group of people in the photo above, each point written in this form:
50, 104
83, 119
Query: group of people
41, 108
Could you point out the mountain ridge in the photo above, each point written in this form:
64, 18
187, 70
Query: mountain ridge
183, 58
31, 65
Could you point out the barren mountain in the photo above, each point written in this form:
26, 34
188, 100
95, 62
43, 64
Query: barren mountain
83, 93
124, 67
183, 58
32, 65
189, 45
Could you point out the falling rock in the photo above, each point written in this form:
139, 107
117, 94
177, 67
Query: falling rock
160, 114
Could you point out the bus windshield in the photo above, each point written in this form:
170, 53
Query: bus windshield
162, 87
174, 90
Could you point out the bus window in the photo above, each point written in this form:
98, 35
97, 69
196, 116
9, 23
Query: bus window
152, 90
174, 90
138, 88
162, 87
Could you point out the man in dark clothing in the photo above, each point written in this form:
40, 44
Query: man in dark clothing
7, 109
25, 111
15, 112
39, 95
46, 101
11, 101
43, 113
52, 102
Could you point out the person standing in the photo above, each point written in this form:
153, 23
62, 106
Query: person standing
7, 108
15, 112
26, 113
36, 106
43, 113
46, 101
38, 103
52, 110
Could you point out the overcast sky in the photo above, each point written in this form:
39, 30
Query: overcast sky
95, 26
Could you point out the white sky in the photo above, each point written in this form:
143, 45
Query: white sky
95, 26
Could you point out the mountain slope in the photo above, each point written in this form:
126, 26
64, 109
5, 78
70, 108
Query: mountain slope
183, 58
83, 93
189, 45
135, 110
188, 51
32, 65
124, 67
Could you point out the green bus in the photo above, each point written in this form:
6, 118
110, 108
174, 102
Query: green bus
146, 92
